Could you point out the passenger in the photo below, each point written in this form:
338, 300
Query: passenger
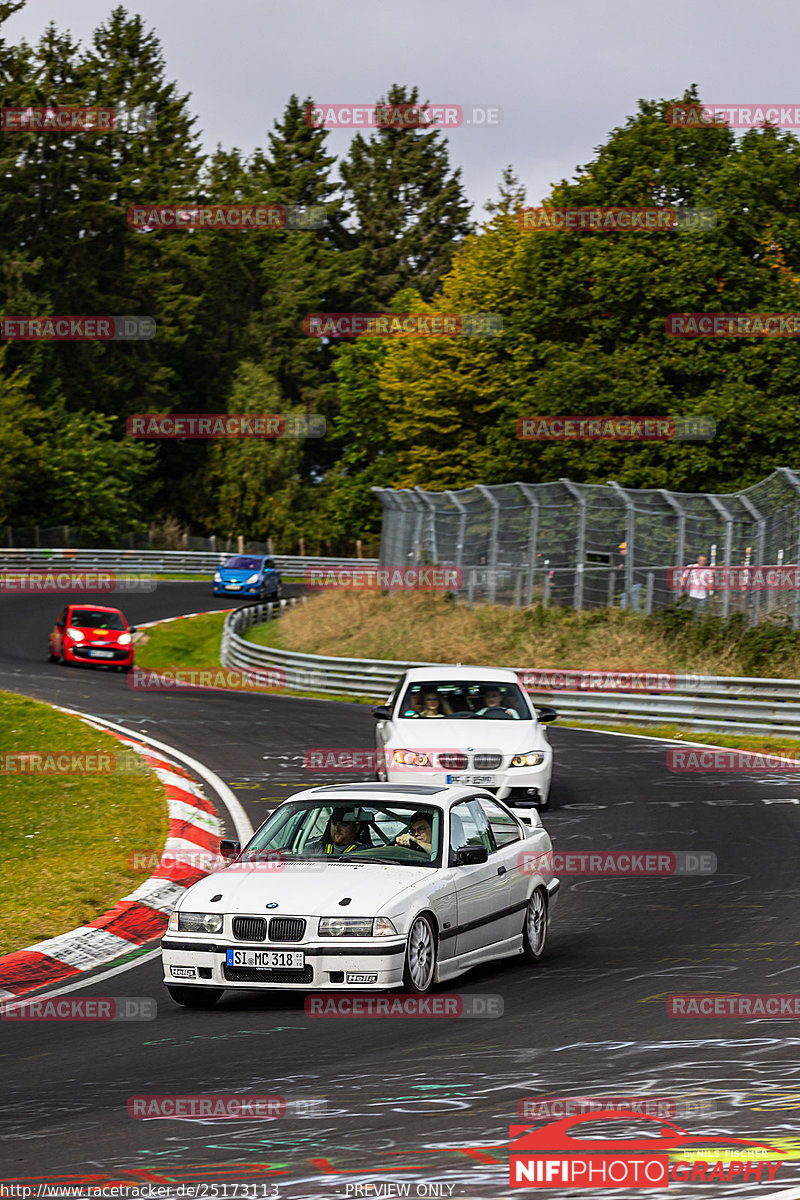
341, 836
431, 705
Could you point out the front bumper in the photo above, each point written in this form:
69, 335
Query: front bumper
117, 655
515, 785
327, 968
236, 589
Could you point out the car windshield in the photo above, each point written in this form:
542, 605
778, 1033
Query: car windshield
352, 831
464, 700
240, 562
90, 618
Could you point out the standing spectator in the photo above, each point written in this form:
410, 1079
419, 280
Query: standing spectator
698, 579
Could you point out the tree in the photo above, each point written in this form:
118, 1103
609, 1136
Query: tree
409, 207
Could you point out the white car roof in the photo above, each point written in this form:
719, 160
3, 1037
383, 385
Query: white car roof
442, 796
478, 674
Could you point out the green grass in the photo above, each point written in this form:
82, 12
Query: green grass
66, 838
189, 642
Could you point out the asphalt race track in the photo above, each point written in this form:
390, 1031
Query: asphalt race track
412, 1101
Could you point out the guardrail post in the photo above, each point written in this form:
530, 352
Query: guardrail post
495, 507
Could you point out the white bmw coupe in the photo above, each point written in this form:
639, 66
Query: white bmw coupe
365, 887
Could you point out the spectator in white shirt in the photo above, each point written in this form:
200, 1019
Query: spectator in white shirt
699, 580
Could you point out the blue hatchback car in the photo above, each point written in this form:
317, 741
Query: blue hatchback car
248, 575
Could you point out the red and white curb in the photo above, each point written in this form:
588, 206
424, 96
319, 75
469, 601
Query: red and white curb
194, 832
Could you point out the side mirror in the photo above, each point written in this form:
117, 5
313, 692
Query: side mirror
229, 850
468, 856
382, 712
546, 715
131, 629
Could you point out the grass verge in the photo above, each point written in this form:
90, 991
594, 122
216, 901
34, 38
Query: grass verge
67, 838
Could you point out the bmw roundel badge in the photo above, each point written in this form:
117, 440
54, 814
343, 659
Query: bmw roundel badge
272, 904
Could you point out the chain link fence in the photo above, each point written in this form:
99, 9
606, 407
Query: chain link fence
596, 546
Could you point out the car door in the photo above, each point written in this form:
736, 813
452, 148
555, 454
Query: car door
482, 890
508, 838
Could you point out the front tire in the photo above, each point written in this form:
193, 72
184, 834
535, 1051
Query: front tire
534, 933
195, 997
420, 963
50, 656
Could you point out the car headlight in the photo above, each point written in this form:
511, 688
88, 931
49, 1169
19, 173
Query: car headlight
192, 922
124, 639
355, 927
75, 634
531, 758
252, 579
217, 577
411, 758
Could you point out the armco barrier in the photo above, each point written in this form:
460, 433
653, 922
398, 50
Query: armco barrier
731, 704
185, 562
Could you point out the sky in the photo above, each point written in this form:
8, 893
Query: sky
564, 74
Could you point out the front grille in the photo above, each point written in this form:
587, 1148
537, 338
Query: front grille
286, 929
281, 975
250, 929
454, 761
487, 762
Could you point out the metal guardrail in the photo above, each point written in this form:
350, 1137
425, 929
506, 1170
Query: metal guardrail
722, 704
185, 562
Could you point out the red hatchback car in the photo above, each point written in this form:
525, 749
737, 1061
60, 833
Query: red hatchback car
92, 633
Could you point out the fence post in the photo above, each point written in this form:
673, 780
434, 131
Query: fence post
270, 547
241, 544
36, 537
630, 533
755, 603
728, 519
794, 482
358, 548
533, 532
495, 506
580, 551
431, 513
648, 603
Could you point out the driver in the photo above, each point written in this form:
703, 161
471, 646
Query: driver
419, 835
344, 834
493, 699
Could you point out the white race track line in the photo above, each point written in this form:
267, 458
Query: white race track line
241, 821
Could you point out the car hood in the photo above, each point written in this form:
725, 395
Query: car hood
421, 733
238, 576
316, 890
102, 635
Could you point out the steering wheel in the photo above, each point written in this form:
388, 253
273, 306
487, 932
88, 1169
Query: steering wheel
413, 844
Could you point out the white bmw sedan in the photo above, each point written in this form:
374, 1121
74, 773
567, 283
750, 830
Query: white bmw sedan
466, 725
365, 887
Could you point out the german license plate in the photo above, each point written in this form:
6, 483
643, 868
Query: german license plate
232, 587
474, 780
267, 960
101, 653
